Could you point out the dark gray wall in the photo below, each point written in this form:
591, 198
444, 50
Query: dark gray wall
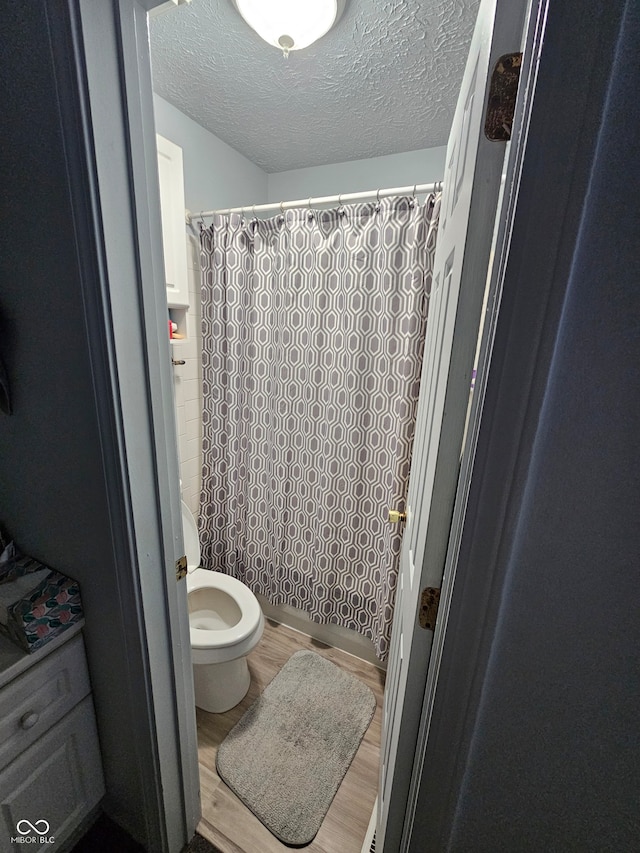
553, 761
53, 457
50, 466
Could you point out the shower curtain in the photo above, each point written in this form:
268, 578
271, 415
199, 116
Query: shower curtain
313, 331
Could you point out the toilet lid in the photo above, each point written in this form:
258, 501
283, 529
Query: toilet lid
191, 540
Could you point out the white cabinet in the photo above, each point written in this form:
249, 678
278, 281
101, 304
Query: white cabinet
41, 696
172, 207
50, 768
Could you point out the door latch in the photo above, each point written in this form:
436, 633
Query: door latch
395, 516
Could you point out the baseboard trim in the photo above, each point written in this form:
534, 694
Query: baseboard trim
332, 635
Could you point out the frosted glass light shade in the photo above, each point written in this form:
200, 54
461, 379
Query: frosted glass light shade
290, 24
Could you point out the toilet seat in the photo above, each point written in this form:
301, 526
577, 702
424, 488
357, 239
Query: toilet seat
250, 610
221, 676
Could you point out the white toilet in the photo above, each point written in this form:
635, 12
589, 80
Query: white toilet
226, 622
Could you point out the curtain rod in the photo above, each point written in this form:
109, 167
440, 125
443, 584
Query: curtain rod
329, 199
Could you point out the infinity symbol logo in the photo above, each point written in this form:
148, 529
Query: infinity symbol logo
40, 827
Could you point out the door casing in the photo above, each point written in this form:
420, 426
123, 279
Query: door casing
451, 344
176, 732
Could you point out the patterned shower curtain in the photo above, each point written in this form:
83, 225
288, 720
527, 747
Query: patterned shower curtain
313, 331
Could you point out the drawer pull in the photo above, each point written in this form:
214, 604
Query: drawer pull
28, 720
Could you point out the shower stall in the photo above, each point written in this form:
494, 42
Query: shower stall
313, 327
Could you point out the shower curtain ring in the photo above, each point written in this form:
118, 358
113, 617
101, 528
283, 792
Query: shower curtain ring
378, 197
414, 190
282, 208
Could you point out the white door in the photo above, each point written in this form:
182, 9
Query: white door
468, 214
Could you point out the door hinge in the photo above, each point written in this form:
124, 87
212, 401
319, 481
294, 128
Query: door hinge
429, 601
502, 97
181, 568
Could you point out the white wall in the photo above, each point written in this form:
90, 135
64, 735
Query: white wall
392, 170
215, 175
218, 176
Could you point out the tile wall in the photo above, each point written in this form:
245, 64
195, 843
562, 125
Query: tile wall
188, 387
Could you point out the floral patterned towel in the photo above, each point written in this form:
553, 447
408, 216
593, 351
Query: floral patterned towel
52, 606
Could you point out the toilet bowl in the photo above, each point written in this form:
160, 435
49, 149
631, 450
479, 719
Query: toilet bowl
225, 623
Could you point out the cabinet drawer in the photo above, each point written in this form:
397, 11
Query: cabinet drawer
33, 702
53, 785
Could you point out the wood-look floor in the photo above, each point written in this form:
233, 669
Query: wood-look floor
227, 822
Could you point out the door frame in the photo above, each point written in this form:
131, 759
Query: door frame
436, 564
136, 72
559, 140
106, 103
522, 336
531, 41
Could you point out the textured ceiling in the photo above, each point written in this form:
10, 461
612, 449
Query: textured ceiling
384, 80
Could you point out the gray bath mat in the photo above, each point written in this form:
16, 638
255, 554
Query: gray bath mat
288, 754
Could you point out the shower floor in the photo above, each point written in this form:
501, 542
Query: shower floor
227, 822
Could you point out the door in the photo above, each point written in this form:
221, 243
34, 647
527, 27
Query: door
472, 179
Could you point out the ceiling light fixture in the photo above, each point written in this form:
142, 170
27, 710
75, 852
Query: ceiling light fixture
290, 24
